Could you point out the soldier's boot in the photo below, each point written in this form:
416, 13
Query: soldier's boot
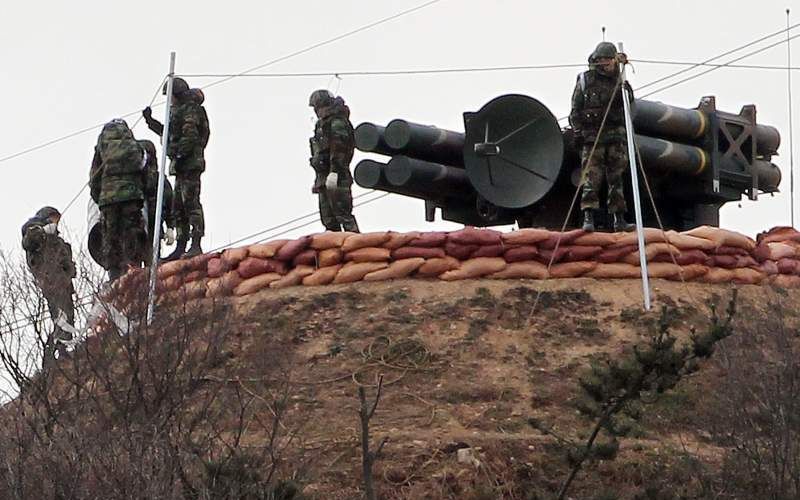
588, 220
180, 248
351, 225
195, 249
621, 225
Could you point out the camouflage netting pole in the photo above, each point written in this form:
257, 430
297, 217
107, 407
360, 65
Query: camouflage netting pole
160, 196
637, 204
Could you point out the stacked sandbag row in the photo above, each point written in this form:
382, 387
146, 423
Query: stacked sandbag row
778, 252
703, 254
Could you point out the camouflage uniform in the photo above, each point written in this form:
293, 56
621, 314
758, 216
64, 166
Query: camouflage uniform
151, 197
331, 152
117, 182
49, 258
188, 137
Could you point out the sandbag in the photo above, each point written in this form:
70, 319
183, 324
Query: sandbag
458, 250
356, 241
526, 236
651, 251
521, 254
424, 252
789, 266
778, 234
664, 270
430, 240
651, 235
436, 266
769, 267
729, 250
475, 268
224, 285
522, 270
217, 268
774, 251
294, 278
322, 276
683, 257
474, 236
617, 270
597, 239
170, 284
172, 268
200, 262
748, 276
368, 254
563, 239
329, 239
786, 281
292, 249
253, 285
396, 270
691, 272
615, 254
551, 256
581, 252
355, 271
194, 276
233, 256
572, 269
718, 275
330, 257
723, 261
252, 267
265, 250
488, 251
686, 242
307, 257
723, 237
397, 240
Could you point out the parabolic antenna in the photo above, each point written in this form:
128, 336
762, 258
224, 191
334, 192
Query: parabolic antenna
513, 150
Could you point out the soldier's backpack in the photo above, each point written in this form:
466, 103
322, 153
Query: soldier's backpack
119, 151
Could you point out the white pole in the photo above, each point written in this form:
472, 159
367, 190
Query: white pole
791, 132
160, 196
635, 183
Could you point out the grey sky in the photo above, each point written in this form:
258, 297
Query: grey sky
70, 65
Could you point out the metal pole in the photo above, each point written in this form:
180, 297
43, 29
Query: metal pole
160, 197
791, 132
635, 183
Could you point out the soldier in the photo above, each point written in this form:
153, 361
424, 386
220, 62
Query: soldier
331, 151
117, 182
593, 92
151, 198
188, 137
49, 258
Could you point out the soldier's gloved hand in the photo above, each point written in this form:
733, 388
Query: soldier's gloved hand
169, 236
147, 113
622, 58
332, 181
51, 228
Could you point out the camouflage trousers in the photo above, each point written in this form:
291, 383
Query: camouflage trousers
59, 299
608, 163
123, 235
186, 207
336, 209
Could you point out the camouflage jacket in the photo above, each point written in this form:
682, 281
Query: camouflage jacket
591, 97
333, 144
151, 195
117, 174
188, 133
49, 257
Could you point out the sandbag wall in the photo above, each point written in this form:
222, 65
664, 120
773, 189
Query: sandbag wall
704, 254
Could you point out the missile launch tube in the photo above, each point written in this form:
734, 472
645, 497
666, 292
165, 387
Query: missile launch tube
425, 142
370, 139
430, 180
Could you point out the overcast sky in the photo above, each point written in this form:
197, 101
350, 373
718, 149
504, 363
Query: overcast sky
71, 65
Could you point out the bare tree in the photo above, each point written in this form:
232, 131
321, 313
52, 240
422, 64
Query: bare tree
369, 457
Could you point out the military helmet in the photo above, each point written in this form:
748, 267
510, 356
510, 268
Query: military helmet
48, 213
603, 50
179, 86
320, 98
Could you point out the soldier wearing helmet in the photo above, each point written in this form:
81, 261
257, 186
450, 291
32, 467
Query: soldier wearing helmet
331, 152
188, 138
596, 91
49, 258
